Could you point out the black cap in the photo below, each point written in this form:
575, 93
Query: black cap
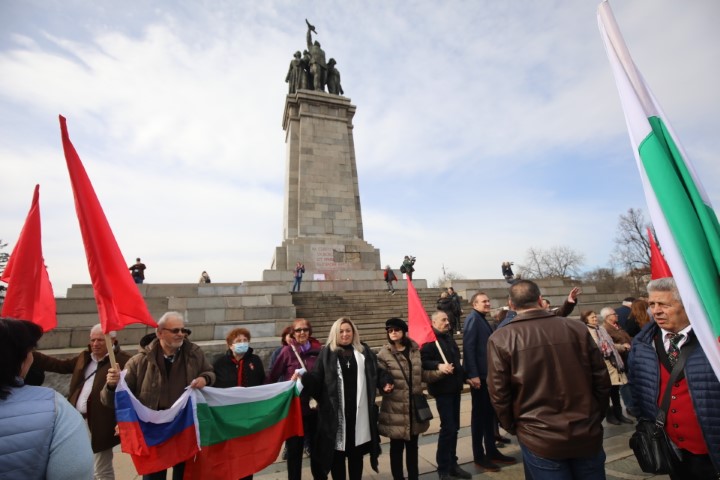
397, 323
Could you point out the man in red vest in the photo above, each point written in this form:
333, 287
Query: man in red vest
693, 417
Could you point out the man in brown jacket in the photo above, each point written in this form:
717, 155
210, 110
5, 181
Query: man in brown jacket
159, 374
548, 384
89, 370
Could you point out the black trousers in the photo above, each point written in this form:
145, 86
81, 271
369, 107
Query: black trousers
354, 457
411, 458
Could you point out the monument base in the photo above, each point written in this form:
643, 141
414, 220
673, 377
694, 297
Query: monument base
326, 258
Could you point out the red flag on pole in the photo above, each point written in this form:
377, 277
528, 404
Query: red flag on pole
117, 296
419, 327
658, 266
30, 294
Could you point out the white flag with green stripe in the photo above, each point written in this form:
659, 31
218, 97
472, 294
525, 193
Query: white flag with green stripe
686, 225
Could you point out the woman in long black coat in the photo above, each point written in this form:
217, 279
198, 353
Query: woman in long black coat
347, 422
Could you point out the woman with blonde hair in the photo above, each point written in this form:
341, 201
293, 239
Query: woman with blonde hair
344, 381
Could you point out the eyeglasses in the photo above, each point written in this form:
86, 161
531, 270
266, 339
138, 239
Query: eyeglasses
186, 331
174, 331
393, 329
301, 330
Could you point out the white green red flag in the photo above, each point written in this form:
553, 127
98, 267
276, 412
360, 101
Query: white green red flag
243, 429
220, 433
684, 220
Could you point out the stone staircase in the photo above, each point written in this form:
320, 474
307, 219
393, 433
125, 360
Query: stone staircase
266, 307
368, 309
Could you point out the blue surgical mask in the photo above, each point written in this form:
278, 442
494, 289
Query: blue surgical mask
241, 347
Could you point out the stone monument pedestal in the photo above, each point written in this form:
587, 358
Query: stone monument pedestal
322, 218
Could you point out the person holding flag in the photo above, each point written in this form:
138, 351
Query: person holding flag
693, 415
444, 354
89, 370
159, 375
298, 355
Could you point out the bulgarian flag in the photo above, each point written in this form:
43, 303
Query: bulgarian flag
685, 222
242, 429
220, 433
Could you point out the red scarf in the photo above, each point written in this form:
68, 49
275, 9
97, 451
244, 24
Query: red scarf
239, 364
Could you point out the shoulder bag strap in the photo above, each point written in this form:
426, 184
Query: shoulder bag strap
685, 352
402, 370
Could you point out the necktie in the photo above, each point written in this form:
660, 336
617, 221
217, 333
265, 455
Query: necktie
673, 350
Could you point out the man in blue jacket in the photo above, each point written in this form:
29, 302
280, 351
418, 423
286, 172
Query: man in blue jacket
482, 420
693, 419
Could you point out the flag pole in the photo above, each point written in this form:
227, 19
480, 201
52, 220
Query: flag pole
111, 350
442, 354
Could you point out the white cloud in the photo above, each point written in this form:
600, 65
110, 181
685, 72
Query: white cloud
481, 129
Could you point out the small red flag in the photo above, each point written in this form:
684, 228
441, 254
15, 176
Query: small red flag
30, 294
419, 327
117, 296
658, 266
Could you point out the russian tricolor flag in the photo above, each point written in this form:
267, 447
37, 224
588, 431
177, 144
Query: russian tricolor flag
156, 439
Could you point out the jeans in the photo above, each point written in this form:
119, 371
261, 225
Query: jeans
582, 468
482, 424
298, 280
411, 458
626, 394
448, 406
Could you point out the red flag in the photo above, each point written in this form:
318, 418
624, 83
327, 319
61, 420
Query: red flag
30, 294
419, 327
118, 298
658, 266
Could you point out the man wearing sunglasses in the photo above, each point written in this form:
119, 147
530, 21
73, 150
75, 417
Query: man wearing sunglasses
159, 374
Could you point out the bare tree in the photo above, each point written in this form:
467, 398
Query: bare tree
607, 281
447, 276
632, 247
558, 261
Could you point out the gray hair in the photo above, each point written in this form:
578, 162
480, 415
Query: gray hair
605, 312
666, 284
168, 315
98, 328
332, 341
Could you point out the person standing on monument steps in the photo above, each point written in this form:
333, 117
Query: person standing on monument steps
138, 271
299, 270
390, 277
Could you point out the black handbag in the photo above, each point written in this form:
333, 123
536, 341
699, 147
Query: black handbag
421, 407
650, 444
419, 401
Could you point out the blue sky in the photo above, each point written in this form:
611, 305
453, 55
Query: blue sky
482, 128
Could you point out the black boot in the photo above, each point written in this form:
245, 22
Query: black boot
617, 410
610, 417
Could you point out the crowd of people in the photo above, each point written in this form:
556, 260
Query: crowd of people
548, 379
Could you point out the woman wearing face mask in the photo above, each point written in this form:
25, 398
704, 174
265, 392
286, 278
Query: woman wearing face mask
345, 381
239, 367
300, 352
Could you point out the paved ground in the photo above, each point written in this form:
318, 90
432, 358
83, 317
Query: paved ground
620, 463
